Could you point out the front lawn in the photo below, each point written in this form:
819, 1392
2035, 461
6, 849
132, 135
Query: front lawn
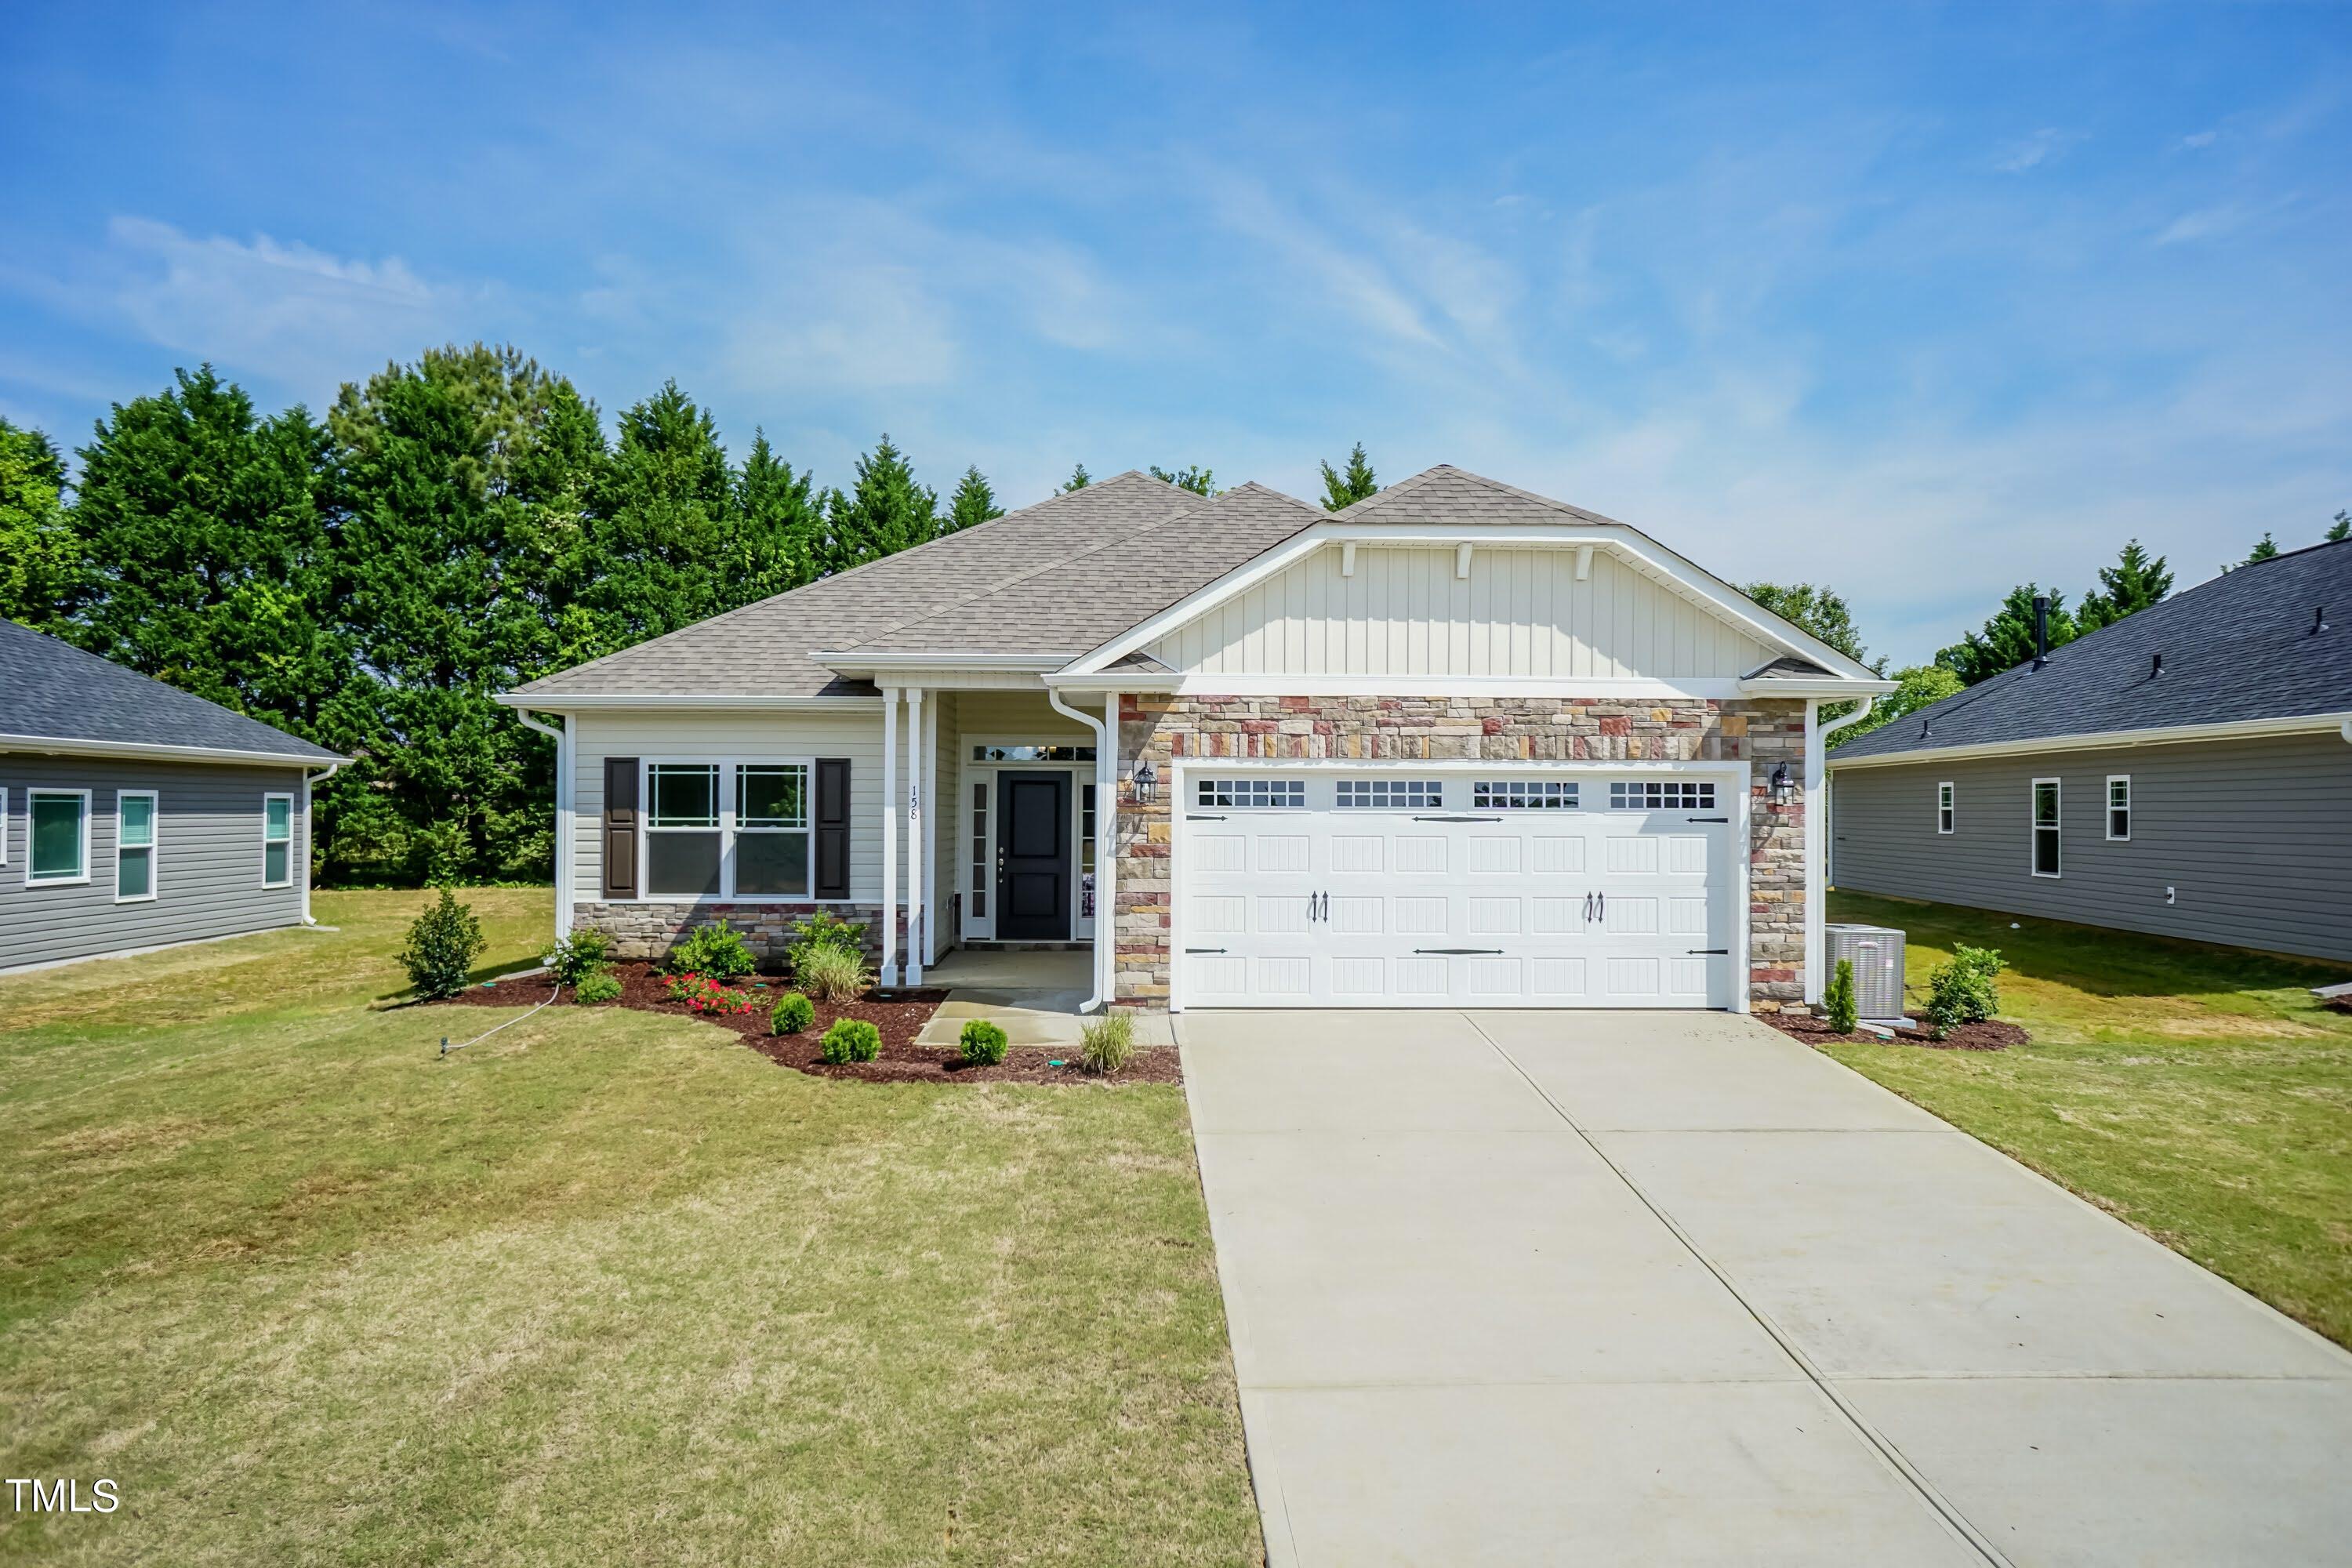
606, 1287
2198, 1092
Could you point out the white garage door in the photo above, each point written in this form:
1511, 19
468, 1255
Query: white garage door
1396, 889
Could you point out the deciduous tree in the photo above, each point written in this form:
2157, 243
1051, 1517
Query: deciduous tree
41, 559
2007, 639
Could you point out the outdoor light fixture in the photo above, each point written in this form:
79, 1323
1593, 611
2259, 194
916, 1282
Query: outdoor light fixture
1782, 785
1146, 782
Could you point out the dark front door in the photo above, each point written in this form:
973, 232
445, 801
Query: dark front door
1033, 856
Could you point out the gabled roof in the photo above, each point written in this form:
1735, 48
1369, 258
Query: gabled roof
1446, 494
56, 691
2237, 650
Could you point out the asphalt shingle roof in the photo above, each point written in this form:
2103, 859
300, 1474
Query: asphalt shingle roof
1452, 495
56, 691
2241, 646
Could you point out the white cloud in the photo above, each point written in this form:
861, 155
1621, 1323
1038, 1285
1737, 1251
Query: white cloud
2201, 139
2034, 150
2205, 223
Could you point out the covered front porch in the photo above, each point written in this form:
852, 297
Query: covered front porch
1033, 995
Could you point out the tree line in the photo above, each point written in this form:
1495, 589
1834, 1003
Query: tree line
449, 528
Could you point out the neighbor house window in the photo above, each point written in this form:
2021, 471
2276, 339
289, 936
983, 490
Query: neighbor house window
1660, 794
1281, 794
2045, 827
1942, 808
134, 846
2119, 806
1516, 794
276, 840
56, 828
772, 830
1391, 795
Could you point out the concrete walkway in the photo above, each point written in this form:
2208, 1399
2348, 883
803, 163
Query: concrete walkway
1670, 1287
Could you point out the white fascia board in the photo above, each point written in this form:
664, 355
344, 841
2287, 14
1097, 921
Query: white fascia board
591, 702
2106, 739
1618, 688
53, 745
1114, 680
1828, 690
1674, 571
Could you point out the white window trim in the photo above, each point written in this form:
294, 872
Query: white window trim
2110, 809
83, 879
2034, 827
267, 841
726, 830
4, 825
154, 844
1947, 814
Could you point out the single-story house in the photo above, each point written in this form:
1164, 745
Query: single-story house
135, 816
2187, 772
1458, 744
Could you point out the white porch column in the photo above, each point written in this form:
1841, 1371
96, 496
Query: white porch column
889, 836
1815, 895
1106, 855
918, 774
941, 875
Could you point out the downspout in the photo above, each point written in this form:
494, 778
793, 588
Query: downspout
562, 816
310, 836
1817, 738
1106, 812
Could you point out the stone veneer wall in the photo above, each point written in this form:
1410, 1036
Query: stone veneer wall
647, 931
1511, 729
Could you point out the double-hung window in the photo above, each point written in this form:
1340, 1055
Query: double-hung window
2119, 807
772, 830
2045, 827
134, 846
684, 844
1942, 808
276, 840
57, 833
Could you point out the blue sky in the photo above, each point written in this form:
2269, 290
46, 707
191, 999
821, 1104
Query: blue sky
1919, 302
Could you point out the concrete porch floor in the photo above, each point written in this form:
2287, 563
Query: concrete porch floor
1033, 997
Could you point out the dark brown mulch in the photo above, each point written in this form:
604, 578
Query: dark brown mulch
2336, 1004
899, 1016
1992, 1034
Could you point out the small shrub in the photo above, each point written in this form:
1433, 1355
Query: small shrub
825, 931
442, 947
851, 1040
983, 1043
1845, 1011
1962, 992
1106, 1043
717, 951
574, 958
604, 986
832, 974
791, 1014
701, 993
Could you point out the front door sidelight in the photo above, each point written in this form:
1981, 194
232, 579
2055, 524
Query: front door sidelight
1033, 856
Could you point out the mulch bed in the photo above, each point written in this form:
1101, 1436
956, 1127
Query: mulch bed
899, 1016
1992, 1034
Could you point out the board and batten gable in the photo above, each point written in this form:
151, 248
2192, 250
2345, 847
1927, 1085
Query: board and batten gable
208, 857
1521, 613
2253, 837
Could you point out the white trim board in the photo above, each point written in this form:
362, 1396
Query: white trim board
659, 702
2178, 734
53, 745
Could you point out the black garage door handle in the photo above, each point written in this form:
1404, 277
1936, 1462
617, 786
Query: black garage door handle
1442, 950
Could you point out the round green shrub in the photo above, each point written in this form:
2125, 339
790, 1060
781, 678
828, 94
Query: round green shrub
715, 950
851, 1040
791, 1014
442, 947
604, 986
983, 1043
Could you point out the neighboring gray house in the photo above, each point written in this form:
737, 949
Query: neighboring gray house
2187, 772
133, 815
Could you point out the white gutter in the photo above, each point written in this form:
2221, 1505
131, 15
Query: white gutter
1106, 840
63, 747
563, 823
1817, 740
309, 834
569, 702
2235, 729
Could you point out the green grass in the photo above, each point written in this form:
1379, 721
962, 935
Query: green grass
606, 1288
2198, 1092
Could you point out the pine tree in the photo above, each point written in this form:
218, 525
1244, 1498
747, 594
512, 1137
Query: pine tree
1341, 490
973, 502
2341, 529
41, 559
1079, 480
1196, 478
2262, 552
663, 523
777, 528
2006, 640
2135, 582
885, 512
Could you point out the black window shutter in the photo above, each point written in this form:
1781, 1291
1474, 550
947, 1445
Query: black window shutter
620, 828
832, 827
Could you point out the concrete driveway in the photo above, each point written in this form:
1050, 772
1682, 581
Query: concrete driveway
1671, 1288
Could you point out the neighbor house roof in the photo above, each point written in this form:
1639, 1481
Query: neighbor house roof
55, 692
2239, 648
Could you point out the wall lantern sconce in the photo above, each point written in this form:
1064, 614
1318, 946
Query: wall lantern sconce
1782, 785
1147, 782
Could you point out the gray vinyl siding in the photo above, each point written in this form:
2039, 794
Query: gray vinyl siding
207, 858
2254, 838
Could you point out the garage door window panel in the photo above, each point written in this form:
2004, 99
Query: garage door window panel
1524, 794
1660, 794
1254, 793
